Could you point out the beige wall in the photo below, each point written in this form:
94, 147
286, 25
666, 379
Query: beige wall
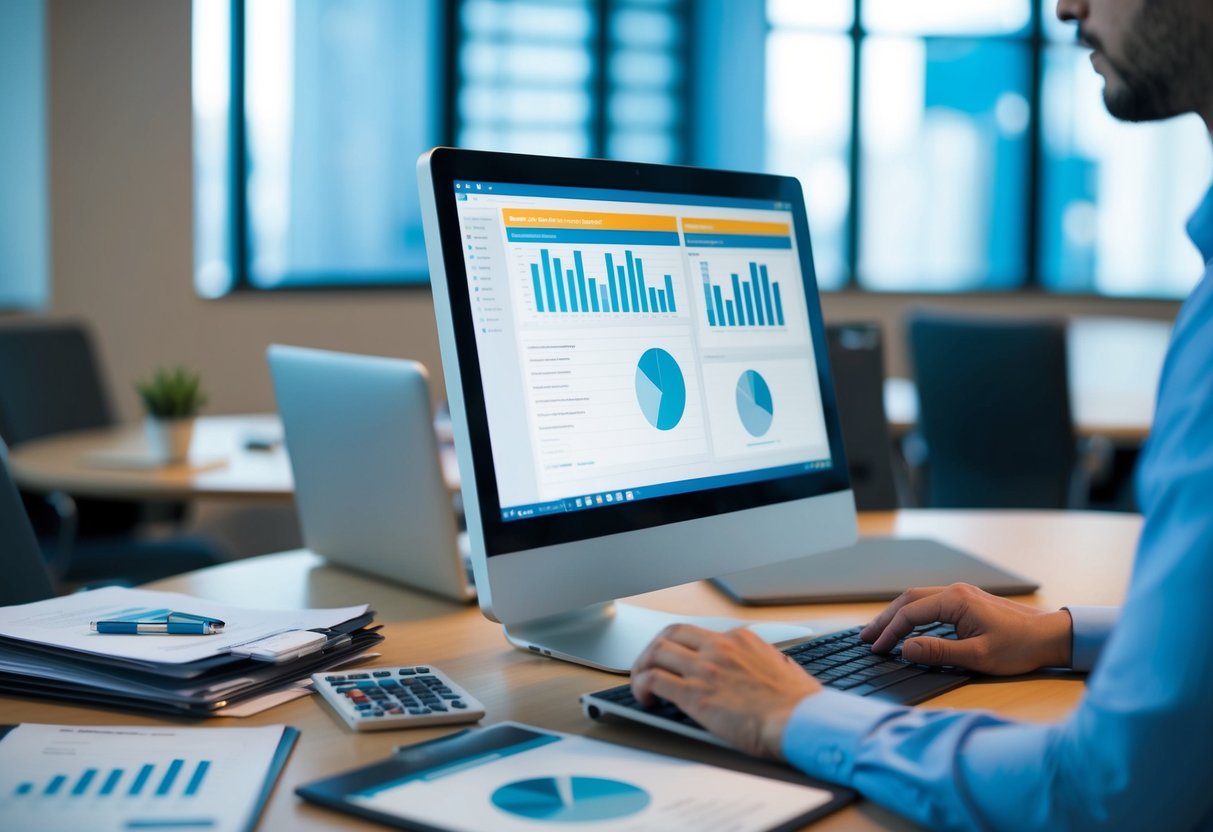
122, 218
121, 224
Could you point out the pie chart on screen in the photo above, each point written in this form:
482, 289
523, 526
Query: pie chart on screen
754, 404
564, 799
660, 389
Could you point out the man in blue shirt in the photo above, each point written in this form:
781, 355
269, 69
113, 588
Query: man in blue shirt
1138, 751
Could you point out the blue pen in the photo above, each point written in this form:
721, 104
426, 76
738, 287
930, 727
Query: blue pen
196, 627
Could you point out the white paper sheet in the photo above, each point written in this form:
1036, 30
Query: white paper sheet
63, 622
573, 782
101, 778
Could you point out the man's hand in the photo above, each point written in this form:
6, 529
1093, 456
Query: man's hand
996, 636
734, 684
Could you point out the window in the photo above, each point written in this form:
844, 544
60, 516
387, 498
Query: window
973, 153
310, 116
943, 145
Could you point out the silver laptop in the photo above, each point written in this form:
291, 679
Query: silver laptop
368, 480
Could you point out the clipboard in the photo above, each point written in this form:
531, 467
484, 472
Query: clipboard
512, 777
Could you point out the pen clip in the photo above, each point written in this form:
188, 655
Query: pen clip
190, 618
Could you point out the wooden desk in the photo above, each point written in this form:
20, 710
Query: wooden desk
1114, 365
1078, 558
59, 463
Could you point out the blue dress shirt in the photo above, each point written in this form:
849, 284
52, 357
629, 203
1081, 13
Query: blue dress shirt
1137, 753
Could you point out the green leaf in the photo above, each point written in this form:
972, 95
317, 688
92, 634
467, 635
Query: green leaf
171, 394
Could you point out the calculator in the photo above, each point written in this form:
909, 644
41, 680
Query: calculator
383, 698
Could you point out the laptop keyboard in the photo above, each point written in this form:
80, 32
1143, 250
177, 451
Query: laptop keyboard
841, 661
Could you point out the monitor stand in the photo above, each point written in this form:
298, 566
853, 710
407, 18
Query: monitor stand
611, 636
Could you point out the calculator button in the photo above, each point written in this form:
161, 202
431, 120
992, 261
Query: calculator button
461, 705
421, 669
379, 674
334, 678
358, 676
407, 671
450, 696
419, 711
389, 683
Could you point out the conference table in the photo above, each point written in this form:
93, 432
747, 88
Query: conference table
1114, 365
238, 457
1078, 557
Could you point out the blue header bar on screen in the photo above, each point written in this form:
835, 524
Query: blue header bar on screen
613, 195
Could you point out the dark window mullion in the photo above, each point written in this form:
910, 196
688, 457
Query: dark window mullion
601, 83
238, 161
1033, 278
856, 151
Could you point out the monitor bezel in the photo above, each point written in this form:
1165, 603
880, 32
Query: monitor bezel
448, 166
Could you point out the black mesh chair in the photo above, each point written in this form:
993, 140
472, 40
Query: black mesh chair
994, 411
50, 383
857, 361
25, 576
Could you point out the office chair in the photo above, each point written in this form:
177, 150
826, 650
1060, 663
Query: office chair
50, 382
25, 576
857, 360
994, 411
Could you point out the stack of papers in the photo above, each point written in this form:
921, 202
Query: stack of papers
48, 650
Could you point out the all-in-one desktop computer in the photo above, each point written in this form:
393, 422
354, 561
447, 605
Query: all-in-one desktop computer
636, 367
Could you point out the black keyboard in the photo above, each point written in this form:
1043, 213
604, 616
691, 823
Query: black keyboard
840, 660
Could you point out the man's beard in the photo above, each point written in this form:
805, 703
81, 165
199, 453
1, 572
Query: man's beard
1166, 66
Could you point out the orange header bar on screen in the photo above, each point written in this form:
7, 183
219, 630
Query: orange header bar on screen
766, 229
590, 221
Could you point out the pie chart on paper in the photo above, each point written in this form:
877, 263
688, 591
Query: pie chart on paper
660, 389
754, 404
565, 799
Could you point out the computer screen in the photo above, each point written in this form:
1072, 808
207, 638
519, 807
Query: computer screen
635, 345
637, 371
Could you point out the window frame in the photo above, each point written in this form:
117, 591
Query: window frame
1035, 39
450, 80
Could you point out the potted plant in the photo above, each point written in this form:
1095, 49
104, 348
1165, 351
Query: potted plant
171, 398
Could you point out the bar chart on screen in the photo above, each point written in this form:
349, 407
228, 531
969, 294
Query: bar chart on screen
600, 281
113, 777
756, 301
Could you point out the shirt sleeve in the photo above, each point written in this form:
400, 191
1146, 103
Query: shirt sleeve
1091, 628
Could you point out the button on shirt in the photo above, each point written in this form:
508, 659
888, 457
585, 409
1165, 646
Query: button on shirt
1137, 753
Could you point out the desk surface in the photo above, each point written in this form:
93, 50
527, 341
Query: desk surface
220, 464
1080, 558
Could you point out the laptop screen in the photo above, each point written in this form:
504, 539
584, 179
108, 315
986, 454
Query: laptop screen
635, 345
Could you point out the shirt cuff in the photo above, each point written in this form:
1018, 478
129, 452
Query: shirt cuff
1091, 628
825, 730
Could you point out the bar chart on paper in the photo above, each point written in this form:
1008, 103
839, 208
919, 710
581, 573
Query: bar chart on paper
107, 777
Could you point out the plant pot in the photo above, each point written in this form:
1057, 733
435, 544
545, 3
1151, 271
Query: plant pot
169, 439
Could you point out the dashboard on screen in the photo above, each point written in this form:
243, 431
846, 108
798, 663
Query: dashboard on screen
635, 345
